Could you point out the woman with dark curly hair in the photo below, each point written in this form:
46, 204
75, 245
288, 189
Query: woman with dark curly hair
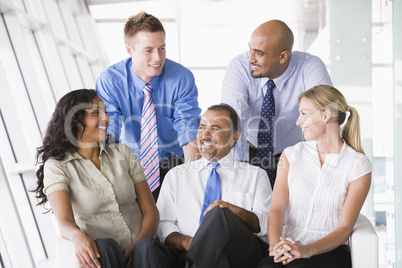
97, 191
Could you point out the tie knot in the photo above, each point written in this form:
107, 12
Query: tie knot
271, 84
214, 164
147, 89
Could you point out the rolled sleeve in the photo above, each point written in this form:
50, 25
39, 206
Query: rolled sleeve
186, 114
106, 90
55, 178
262, 200
167, 209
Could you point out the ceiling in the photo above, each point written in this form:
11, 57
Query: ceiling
300, 15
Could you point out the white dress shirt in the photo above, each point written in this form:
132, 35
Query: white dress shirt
317, 194
245, 94
182, 194
104, 201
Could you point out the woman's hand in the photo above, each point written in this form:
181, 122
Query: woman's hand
280, 251
127, 250
86, 250
288, 250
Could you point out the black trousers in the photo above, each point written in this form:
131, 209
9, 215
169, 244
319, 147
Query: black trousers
164, 167
224, 241
147, 253
255, 161
337, 258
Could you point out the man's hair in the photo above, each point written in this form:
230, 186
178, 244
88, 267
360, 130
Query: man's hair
141, 22
234, 118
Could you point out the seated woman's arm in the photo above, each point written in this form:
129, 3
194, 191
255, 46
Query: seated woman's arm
150, 214
280, 199
86, 250
355, 197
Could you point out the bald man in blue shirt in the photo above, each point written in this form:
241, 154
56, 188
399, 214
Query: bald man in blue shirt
246, 82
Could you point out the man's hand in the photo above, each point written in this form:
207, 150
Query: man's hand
220, 203
247, 217
186, 242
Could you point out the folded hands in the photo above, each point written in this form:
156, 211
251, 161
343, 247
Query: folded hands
287, 250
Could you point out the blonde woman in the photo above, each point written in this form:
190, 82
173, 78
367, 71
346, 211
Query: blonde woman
321, 186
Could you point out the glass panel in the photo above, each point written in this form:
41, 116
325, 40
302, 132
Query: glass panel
209, 84
20, 120
397, 49
38, 65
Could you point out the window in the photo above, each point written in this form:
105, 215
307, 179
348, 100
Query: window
44, 54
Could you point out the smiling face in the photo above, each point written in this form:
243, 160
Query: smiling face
264, 57
147, 50
214, 137
96, 122
311, 120
270, 45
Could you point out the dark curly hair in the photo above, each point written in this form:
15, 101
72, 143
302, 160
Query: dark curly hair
63, 126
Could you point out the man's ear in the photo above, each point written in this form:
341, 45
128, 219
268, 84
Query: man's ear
129, 50
235, 137
284, 57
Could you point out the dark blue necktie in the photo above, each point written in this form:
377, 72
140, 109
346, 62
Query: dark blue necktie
212, 190
265, 148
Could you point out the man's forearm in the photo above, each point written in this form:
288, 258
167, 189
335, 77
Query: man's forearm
247, 217
178, 241
191, 152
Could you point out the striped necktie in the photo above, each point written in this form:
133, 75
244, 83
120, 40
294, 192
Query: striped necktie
212, 190
265, 149
149, 140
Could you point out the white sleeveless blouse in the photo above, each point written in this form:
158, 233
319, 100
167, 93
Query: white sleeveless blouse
316, 195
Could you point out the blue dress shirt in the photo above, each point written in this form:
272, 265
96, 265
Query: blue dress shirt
175, 99
245, 94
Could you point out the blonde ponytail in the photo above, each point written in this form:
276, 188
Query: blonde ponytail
351, 131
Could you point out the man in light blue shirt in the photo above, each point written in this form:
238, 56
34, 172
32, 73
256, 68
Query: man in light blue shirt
174, 94
245, 84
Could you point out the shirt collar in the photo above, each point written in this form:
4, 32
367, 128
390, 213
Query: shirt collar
139, 83
70, 156
103, 148
330, 159
280, 81
225, 162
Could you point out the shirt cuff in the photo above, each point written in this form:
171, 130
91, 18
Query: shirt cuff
55, 187
165, 229
263, 220
187, 137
